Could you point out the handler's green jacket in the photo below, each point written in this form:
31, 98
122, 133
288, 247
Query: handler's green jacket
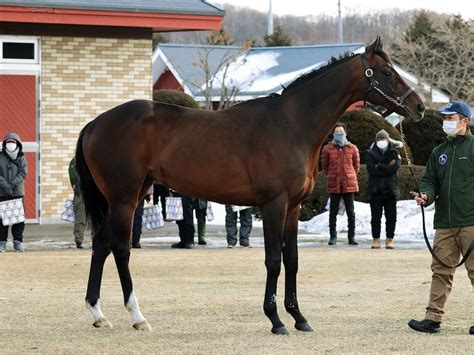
448, 180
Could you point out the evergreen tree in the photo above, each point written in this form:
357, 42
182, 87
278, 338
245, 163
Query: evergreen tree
277, 39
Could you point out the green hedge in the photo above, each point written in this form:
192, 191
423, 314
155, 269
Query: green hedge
315, 203
424, 135
174, 97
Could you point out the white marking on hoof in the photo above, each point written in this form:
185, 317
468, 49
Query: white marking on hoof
99, 319
142, 326
134, 309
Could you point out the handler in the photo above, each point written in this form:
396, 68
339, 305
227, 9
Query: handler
448, 181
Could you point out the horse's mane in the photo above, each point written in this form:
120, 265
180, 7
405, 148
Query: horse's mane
331, 64
316, 72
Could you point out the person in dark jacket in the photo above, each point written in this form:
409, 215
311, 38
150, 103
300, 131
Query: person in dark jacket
13, 170
448, 181
383, 162
340, 161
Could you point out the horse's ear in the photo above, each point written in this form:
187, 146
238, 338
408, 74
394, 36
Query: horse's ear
375, 47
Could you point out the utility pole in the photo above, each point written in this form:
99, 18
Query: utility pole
339, 21
270, 19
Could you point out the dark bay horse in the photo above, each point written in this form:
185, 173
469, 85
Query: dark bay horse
262, 152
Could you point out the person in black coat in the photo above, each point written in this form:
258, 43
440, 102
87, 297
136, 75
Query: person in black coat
383, 162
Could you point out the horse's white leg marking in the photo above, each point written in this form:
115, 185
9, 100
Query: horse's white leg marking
139, 322
99, 319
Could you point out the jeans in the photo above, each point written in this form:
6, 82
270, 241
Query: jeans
231, 225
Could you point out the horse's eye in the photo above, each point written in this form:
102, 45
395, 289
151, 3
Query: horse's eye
387, 72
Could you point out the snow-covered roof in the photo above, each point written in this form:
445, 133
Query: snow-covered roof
254, 72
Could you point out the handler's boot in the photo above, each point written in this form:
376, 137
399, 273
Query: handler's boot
201, 234
18, 246
3, 246
332, 237
424, 326
389, 243
376, 243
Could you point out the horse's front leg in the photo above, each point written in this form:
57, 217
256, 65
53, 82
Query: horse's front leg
290, 260
120, 244
273, 215
100, 251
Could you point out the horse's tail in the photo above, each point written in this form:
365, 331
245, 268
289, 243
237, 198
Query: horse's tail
95, 203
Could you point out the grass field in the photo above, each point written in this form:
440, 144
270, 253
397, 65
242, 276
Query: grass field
210, 301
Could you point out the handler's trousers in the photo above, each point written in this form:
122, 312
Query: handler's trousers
448, 244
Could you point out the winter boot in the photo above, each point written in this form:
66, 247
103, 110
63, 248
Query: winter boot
3, 246
201, 234
389, 243
351, 238
18, 246
332, 238
376, 243
424, 326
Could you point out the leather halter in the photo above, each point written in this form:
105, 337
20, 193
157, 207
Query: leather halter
374, 85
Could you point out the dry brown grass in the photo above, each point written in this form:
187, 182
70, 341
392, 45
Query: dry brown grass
210, 301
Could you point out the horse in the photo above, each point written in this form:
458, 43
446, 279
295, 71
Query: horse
262, 152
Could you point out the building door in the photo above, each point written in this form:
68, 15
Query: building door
18, 114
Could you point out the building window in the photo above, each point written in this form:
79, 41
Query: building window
18, 50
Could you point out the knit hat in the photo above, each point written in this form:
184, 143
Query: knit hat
382, 134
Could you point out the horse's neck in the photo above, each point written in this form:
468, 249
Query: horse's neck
321, 102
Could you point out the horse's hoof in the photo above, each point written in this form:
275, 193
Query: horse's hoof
102, 323
280, 331
304, 327
144, 325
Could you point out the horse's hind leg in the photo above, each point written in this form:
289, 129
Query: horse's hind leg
290, 260
273, 214
121, 218
100, 251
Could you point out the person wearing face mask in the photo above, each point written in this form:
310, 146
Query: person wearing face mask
383, 162
340, 161
12, 176
448, 181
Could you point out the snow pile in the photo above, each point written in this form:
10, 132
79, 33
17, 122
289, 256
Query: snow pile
409, 222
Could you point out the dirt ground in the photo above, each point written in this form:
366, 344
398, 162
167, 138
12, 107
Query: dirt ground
209, 300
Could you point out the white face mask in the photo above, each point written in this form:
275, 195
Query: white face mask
11, 146
382, 144
450, 127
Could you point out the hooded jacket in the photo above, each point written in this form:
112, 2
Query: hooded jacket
383, 177
12, 172
341, 166
448, 181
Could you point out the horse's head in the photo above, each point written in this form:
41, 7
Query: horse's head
386, 88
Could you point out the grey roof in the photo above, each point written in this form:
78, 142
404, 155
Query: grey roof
200, 7
257, 72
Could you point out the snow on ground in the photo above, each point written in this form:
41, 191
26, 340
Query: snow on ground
408, 228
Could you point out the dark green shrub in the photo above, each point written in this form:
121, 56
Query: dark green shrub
424, 135
363, 125
314, 204
174, 97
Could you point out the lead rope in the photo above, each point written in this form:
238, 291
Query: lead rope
410, 166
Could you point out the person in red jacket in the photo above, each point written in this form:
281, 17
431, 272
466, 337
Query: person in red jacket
341, 163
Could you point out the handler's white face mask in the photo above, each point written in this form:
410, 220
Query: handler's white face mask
450, 127
382, 144
11, 146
